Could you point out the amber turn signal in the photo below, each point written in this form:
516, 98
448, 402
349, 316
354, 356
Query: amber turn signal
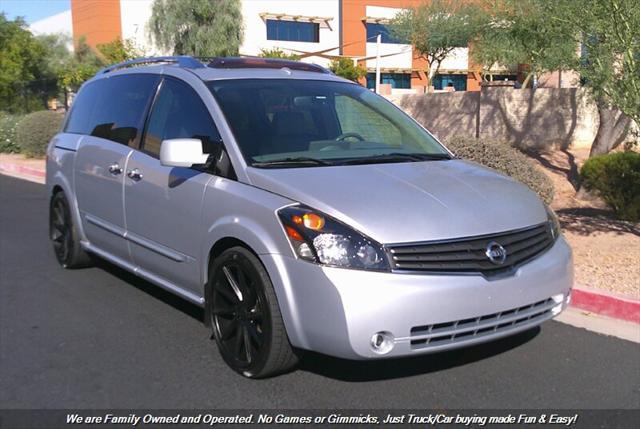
293, 234
313, 221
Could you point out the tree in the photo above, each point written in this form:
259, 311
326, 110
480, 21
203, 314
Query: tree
83, 65
56, 58
608, 31
201, 28
525, 32
118, 51
346, 68
436, 28
278, 53
23, 84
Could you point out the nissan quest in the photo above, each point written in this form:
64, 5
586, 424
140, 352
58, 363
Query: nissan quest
300, 210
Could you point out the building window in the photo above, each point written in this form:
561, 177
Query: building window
458, 81
293, 31
397, 80
374, 29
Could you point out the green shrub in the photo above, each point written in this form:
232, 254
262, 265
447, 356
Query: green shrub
8, 124
35, 131
506, 159
616, 178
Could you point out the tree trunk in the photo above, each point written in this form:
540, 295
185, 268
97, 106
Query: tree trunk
527, 79
613, 130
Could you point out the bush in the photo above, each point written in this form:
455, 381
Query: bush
616, 178
35, 131
506, 159
8, 124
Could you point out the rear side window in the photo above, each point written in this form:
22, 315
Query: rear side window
113, 108
178, 112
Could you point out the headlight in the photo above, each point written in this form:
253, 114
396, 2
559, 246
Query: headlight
319, 238
554, 223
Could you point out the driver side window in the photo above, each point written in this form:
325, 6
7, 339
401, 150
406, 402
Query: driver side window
178, 112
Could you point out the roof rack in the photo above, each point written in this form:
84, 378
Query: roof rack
181, 61
264, 63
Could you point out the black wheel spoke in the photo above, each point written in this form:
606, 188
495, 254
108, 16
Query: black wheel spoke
57, 236
232, 283
225, 313
247, 342
239, 340
228, 331
58, 215
253, 334
227, 294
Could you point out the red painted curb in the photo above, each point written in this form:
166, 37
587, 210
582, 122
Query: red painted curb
22, 169
606, 304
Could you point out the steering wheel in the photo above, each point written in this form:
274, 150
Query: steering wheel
344, 136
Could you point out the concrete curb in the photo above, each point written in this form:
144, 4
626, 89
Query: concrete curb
33, 174
583, 298
606, 304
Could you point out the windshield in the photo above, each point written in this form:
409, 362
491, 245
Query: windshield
279, 122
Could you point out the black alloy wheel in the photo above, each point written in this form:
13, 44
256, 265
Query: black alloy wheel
63, 234
246, 321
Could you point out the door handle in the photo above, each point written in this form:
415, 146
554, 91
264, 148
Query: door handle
135, 174
115, 169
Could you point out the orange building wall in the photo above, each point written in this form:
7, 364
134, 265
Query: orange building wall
354, 34
97, 20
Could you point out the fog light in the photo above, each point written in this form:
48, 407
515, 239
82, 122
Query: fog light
559, 298
382, 342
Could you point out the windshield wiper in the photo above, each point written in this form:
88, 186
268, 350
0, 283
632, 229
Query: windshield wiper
396, 157
302, 161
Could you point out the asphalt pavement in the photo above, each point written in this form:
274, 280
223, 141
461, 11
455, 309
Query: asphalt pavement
103, 338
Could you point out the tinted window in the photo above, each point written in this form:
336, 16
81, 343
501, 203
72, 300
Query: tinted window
113, 108
374, 29
458, 81
178, 112
293, 31
79, 121
397, 80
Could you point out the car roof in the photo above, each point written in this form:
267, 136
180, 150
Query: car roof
222, 68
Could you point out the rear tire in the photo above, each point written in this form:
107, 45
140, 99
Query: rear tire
64, 234
245, 317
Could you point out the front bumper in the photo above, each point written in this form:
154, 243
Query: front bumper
336, 311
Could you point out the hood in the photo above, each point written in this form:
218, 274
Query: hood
411, 201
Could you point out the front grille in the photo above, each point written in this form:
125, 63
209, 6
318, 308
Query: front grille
468, 255
467, 329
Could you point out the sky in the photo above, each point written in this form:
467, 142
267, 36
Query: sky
33, 10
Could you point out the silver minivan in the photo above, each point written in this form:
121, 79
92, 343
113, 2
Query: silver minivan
300, 210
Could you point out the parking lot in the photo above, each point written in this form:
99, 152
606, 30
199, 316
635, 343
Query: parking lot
100, 337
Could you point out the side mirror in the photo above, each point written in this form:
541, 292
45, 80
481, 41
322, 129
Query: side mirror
182, 153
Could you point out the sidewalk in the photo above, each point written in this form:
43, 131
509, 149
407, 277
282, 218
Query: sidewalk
584, 298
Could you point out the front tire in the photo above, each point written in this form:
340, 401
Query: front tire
245, 317
64, 234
